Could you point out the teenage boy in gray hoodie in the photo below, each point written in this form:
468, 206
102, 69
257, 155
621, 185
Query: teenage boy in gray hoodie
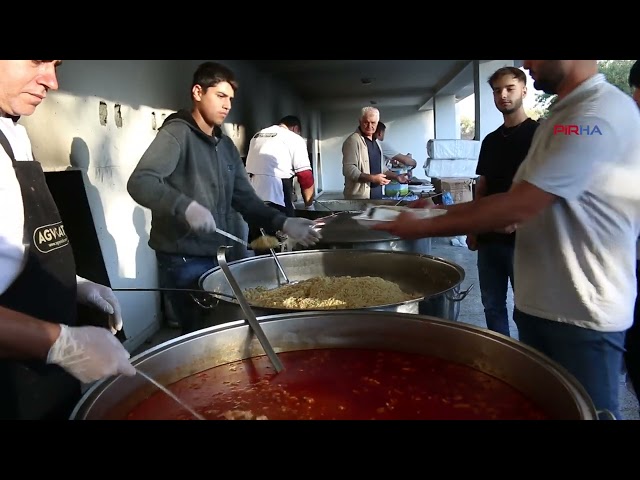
192, 179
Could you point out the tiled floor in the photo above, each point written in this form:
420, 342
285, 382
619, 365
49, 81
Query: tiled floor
471, 311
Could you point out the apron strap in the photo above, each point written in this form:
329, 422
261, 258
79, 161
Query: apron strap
7, 146
287, 188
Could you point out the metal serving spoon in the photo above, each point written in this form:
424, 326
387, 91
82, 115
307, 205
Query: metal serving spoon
170, 394
246, 308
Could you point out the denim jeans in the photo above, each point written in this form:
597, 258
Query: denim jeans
495, 269
593, 358
181, 271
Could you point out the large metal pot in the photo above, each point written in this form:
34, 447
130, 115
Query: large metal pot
533, 374
437, 280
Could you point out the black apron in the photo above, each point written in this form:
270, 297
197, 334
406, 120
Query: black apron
46, 289
287, 188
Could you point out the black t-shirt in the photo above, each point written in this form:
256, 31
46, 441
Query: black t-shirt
501, 154
375, 162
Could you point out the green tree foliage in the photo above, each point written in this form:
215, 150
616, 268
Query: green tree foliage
467, 128
615, 71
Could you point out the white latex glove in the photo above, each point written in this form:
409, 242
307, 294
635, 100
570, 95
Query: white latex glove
199, 218
90, 354
102, 297
301, 230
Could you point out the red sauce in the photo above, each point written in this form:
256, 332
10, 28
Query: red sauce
342, 384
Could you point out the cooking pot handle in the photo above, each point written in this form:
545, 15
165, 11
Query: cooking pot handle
205, 305
605, 415
459, 296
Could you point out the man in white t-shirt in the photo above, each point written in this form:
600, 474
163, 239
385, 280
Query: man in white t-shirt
576, 204
276, 155
391, 156
44, 356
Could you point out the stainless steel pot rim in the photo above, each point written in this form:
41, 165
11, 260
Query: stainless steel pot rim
350, 251
285, 322
335, 252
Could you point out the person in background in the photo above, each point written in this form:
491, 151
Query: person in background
193, 180
276, 155
391, 156
501, 153
575, 203
362, 162
632, 341
45, 355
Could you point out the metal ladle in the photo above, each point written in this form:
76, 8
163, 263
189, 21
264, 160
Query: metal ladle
246, 308
170, 394
273, 254
179, 290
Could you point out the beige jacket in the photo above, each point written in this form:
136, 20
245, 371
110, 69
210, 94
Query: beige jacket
355, 160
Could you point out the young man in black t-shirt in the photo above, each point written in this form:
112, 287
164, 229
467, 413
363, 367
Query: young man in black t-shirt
501, 153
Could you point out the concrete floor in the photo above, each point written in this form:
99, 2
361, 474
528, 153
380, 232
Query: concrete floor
471, 311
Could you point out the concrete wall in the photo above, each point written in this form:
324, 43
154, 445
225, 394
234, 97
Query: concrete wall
408, 130
79, 127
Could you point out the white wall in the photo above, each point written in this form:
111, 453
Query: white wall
408, 130
66, 133
444, 114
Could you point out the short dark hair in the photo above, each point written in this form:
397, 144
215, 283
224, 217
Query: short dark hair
209, 74
501, 72
381, 127
291, 121
634, 75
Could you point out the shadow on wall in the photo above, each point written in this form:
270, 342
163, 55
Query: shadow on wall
80, 159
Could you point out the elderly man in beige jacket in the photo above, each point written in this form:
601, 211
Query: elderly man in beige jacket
362, 161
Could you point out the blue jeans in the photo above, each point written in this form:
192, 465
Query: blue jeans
495, 269
181, 271
593, 358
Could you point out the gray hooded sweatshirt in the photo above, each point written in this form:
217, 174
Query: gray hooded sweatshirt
183, 164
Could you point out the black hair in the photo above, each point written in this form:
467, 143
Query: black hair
634, 75
209, 74
291, 121
381, 127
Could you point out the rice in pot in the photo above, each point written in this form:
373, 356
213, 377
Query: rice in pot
325, 293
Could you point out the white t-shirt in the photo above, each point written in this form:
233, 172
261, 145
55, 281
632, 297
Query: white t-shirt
12, 249
388, 152
275, 153
575, 261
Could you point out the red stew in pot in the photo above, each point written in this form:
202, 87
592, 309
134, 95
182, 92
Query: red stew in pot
342, 384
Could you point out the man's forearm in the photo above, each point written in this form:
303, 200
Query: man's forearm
25, 336
474, 217
481, 187
307, 195
406, 160
365, 178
